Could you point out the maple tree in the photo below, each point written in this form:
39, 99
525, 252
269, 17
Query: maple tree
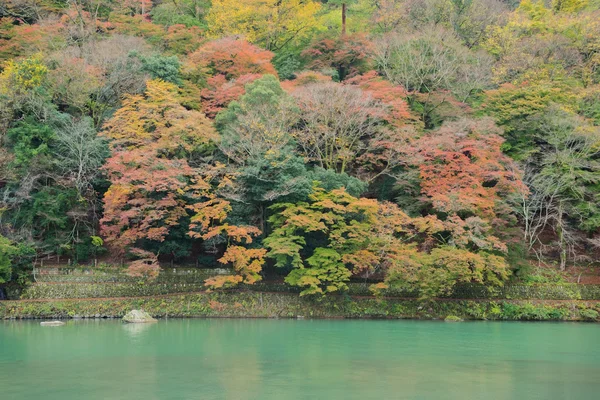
335, 235
463, 170
399, 112
145, 266
347, 55
21, 39
230, 57
318, 238
153, 187
152, 136
224, 67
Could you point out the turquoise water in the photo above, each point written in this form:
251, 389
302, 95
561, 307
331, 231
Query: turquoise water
289, 359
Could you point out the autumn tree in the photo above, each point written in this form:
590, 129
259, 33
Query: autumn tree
466, 181
336, 121
230, 57
463, 169
223, 67
152, 138
20, 39
155, 187
271, 24
334, 235
23, 90
347, 55
322, 239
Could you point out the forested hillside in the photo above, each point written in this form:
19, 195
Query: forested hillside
422, 143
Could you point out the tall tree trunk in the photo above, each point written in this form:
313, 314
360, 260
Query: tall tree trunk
343, 19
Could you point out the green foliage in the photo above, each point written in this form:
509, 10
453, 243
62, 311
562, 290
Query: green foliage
162, 67
255, 134
329, 180
20, 258
185, 12
589, 314
287, 64
46, 215
7, 250
313, 237
327, 273
31, 140
269, 305
437, 273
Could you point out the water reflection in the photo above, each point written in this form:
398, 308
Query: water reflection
135, 330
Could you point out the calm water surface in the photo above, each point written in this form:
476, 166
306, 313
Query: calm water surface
282, 360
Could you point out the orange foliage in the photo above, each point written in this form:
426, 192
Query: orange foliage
224, 67
220, 92
151, 182
145, 267
347, 54
389, 94
463, 169
232, 58
17, 40
158, 118
304, 78
246, 262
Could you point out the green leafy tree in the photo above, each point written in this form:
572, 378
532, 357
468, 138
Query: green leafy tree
162, 67
255, 136
30, 141
6, 251
321, 239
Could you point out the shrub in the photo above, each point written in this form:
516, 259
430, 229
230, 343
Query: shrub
589, 314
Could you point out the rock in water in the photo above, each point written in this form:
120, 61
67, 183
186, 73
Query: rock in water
138, 316
52, 323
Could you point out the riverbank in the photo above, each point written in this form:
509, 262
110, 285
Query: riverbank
291, 305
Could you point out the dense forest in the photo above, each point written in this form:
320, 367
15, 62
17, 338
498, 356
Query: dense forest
422, 143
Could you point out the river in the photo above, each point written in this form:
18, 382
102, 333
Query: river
299, 359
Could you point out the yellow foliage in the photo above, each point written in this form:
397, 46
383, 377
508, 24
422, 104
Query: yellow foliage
269, 23
23, 75
158, 117
569, 6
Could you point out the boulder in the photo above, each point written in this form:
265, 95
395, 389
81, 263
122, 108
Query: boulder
52, 323
138, 317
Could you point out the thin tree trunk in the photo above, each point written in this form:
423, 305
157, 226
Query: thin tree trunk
343, 19
561, 238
